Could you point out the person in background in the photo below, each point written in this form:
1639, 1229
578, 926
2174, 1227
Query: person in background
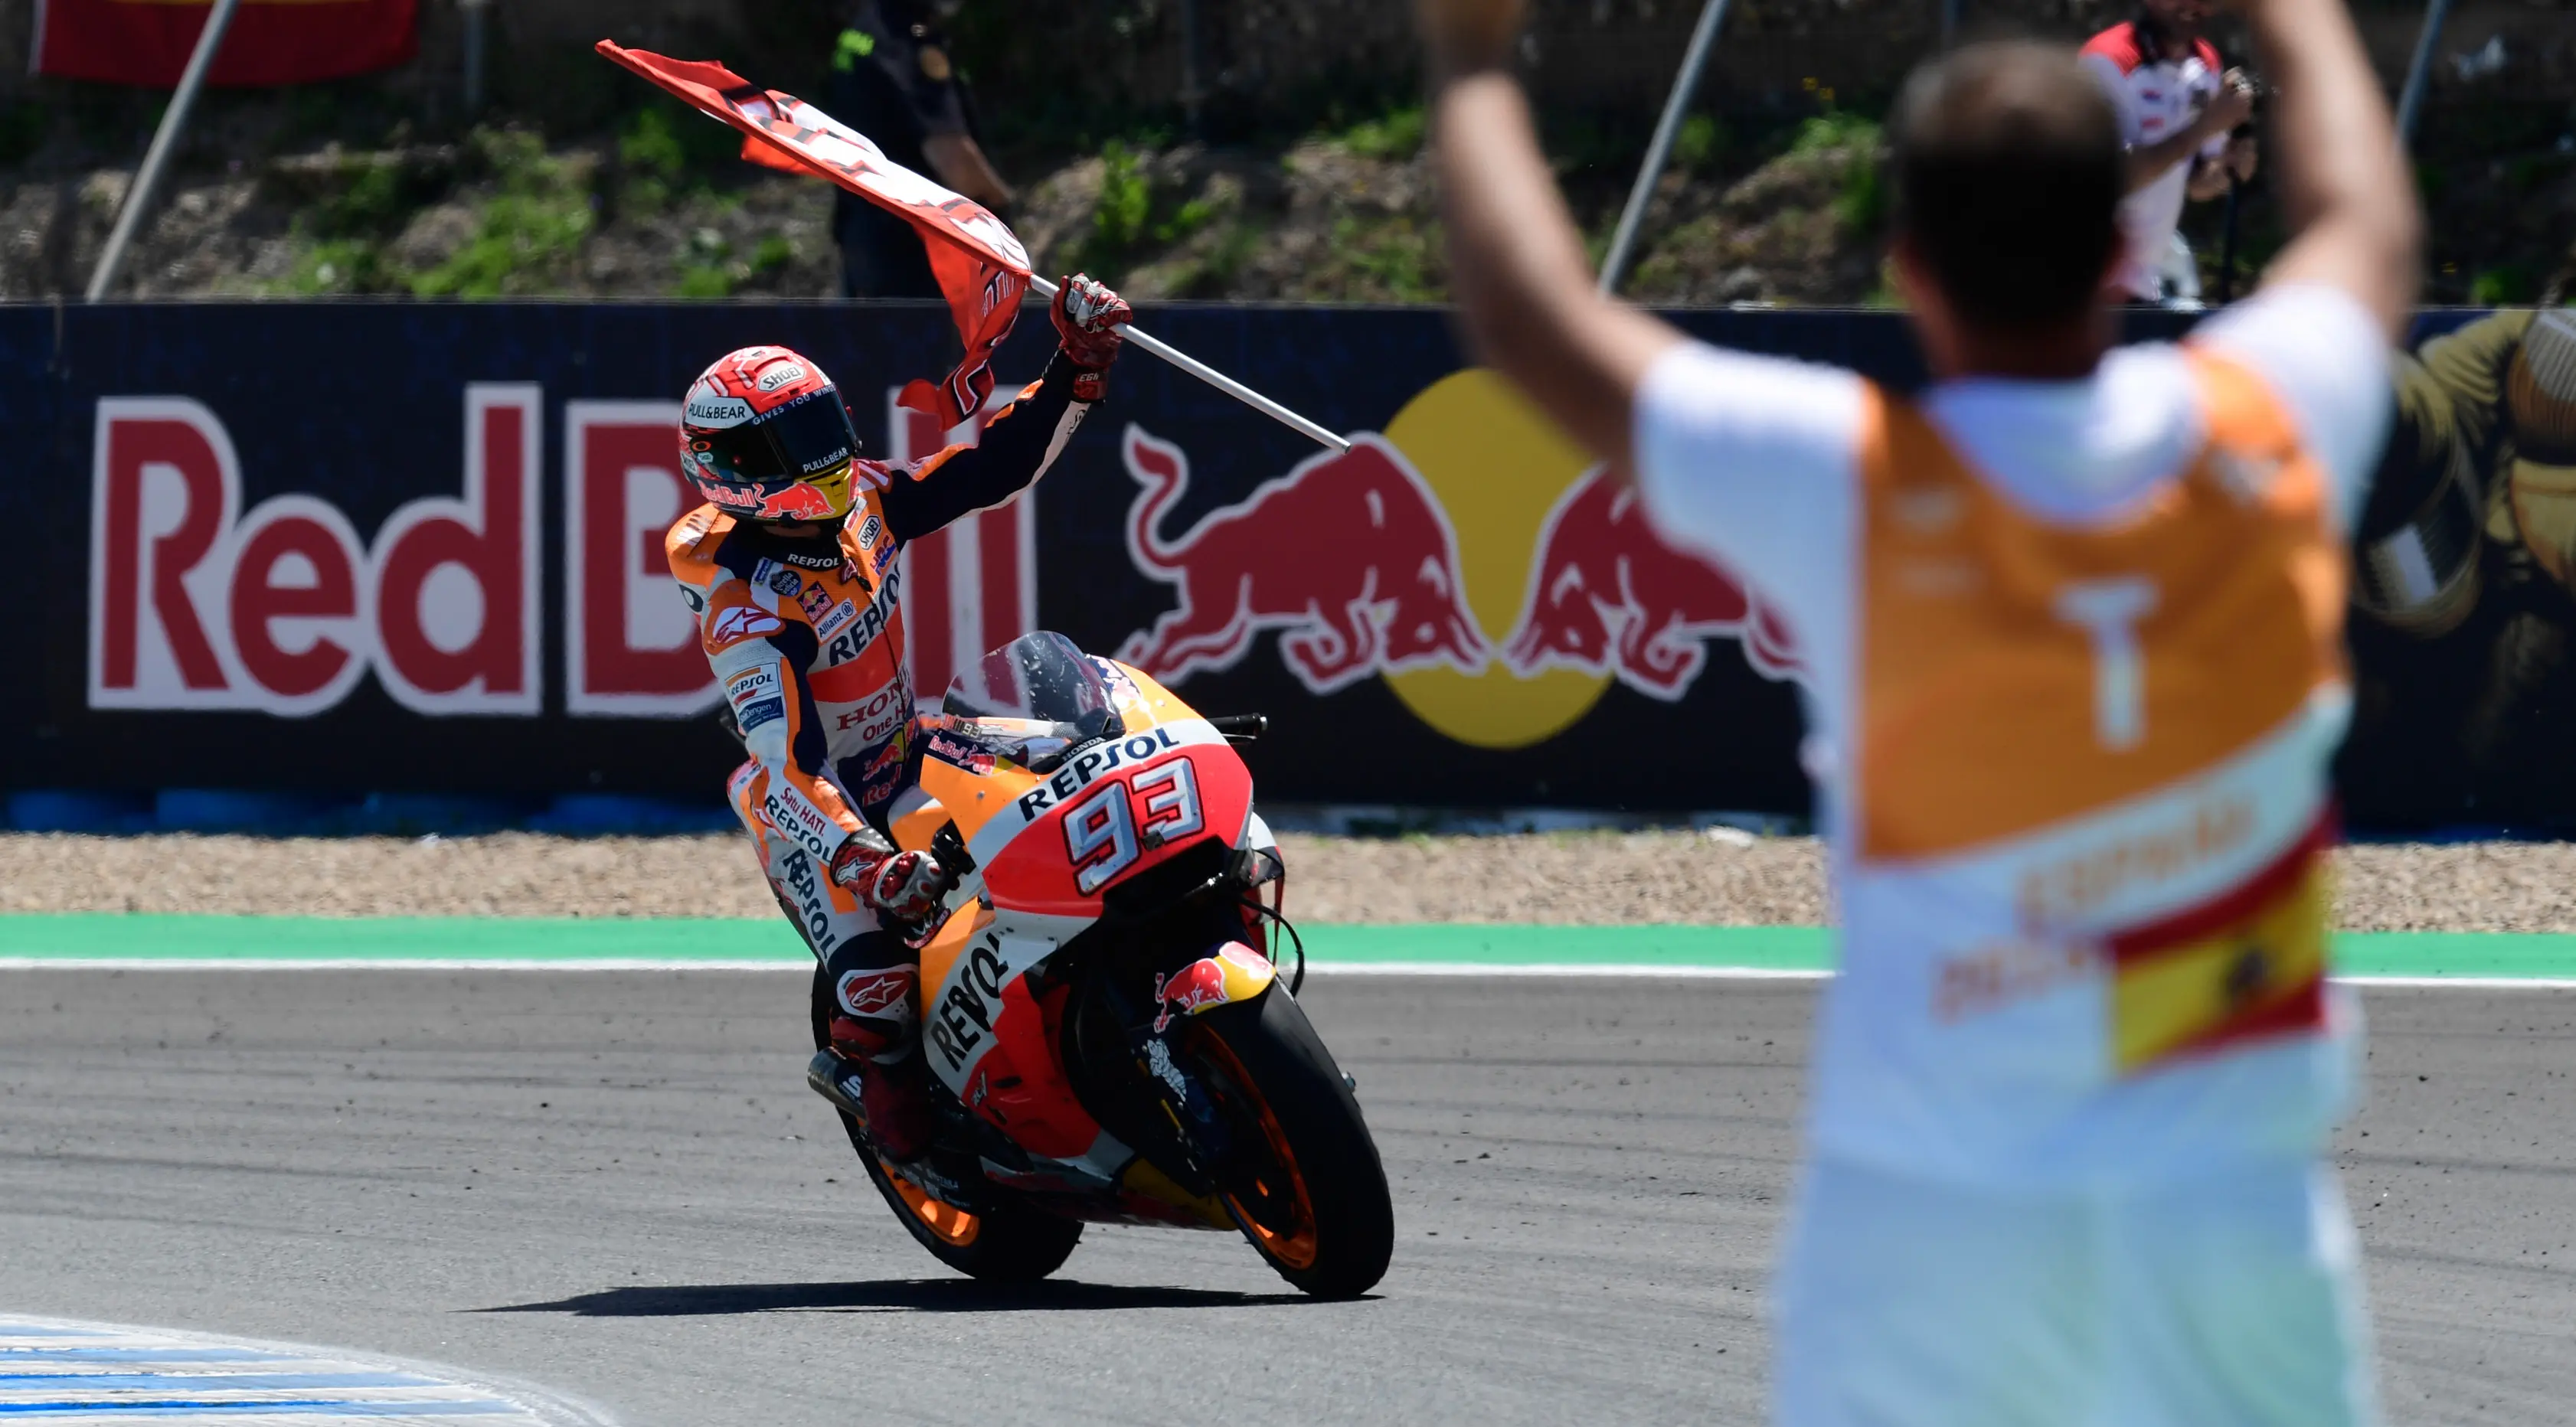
2072, 621
893, 79
2178, 116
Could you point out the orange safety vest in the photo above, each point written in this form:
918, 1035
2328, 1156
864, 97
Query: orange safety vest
2019, 680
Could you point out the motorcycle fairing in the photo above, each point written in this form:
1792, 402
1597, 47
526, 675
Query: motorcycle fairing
1014, 1086
1144, 703
1005, 808
990, 1031
978, 796
965, 971
1133, 815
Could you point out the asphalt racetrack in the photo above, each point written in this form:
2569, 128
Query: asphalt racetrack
616, 1186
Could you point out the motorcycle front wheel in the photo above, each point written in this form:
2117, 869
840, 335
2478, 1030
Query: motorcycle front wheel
1304, 1182
1004, 1244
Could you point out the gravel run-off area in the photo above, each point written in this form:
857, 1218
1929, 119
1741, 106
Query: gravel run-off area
1565, 879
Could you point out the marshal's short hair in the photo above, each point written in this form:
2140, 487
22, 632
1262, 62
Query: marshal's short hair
2009, 174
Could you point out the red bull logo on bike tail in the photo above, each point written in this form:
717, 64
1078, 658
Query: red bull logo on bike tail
1468, 555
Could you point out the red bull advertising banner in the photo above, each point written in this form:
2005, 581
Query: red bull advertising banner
1464, 557
360, 547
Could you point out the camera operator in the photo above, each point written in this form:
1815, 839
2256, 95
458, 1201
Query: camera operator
2183, 118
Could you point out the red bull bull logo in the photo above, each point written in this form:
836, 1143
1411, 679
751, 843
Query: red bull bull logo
1469, 513
1608, 596
1349, 557
1188, 991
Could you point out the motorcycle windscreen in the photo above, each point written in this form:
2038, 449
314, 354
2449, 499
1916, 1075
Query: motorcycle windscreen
1042, 677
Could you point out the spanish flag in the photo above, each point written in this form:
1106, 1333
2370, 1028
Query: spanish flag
2250, 965
147, 42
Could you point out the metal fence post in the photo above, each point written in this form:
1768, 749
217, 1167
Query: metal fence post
1192, 95
165, 142
1695, 60
2419, 73
477, 42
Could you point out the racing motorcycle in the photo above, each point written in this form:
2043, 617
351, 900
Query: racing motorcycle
1111, 1034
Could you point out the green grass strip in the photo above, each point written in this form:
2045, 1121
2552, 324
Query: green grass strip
145, 937
2515, 955
1752, 948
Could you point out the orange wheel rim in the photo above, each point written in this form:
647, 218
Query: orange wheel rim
1294, 1246
946, 1222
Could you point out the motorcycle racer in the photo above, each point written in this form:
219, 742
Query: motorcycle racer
789, 569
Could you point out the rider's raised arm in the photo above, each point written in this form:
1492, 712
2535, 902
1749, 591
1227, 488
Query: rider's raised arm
1517, 267
1024, 438
1746, 459
2341, 175
760, 653
1019, 443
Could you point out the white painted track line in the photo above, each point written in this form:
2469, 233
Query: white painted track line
65, 1371
357, 963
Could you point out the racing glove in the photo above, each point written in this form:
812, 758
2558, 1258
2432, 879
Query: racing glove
1087, 318
903, 887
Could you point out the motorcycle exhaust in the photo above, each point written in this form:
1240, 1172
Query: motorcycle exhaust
836, 1080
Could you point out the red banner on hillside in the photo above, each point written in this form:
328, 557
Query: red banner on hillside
148, 42
982, 269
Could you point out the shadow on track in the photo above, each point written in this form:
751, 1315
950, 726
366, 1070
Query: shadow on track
919, 1295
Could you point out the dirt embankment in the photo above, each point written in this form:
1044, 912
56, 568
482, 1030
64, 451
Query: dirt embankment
579, 182
1565, 879
582, 183
497, 214
1346, 214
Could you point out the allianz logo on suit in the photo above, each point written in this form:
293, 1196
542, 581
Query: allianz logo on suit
196, 603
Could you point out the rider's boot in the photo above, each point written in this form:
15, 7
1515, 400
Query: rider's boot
894, 1089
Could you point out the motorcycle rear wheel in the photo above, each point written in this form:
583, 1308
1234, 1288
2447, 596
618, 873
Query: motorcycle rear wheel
1314, 1204
1005, 1244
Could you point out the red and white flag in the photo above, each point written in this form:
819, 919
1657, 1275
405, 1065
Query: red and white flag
982, 269
148, 42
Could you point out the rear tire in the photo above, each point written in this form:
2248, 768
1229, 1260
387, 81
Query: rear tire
1009, 1243
1323, 1218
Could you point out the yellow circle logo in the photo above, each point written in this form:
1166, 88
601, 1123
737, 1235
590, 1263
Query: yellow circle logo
1499, 469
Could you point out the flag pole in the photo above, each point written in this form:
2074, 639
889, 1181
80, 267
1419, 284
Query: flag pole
165, 142
1313, 430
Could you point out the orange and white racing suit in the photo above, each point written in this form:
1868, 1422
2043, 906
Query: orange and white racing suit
805, 634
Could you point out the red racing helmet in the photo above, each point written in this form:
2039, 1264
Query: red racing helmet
764, 436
